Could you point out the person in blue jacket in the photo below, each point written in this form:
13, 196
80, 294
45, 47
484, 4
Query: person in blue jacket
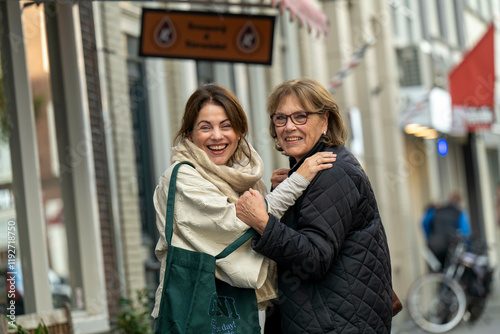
442, 223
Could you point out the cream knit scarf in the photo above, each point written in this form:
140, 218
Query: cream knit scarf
232, 180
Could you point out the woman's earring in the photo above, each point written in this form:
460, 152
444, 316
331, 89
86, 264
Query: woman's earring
324, 133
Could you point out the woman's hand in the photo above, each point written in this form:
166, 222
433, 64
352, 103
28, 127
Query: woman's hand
251, 209
279, 175
315, 163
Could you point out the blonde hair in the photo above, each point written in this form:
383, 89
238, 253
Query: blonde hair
314, 97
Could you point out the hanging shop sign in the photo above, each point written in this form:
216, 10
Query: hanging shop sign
430, 108
207, 36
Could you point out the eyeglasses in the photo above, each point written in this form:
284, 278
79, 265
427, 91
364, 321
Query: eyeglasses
298, 118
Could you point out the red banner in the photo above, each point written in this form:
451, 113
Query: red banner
472, 84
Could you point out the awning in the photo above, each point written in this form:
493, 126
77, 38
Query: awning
306, 11
472, 84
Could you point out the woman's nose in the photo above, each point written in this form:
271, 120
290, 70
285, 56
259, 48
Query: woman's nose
289, 126
216, 134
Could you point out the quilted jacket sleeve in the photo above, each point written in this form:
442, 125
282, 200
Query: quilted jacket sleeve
323, 219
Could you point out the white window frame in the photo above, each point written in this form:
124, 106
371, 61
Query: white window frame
158, 97
26, 170
404, 17
451, 22
289, 50
93, 318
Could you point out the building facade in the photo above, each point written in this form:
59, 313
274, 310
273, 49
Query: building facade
88, 128
402, 81
89, 125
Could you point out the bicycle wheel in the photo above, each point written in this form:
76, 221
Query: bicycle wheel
436, 304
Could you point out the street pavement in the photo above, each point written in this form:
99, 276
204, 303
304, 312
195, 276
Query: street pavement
488, 323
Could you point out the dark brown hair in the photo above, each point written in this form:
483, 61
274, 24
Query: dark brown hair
312, 96
214, 94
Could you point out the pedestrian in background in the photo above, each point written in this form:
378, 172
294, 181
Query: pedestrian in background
442, 223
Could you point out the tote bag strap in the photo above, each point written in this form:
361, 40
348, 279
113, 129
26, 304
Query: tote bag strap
169, 216
236, 244
169, 220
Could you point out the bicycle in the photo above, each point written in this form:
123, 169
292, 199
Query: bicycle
439, 300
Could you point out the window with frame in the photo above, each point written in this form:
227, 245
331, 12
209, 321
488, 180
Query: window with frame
403, 20
141, 124
221, 73
482, 8
442, 19
59, 271
409, 66
41, 79
9, 289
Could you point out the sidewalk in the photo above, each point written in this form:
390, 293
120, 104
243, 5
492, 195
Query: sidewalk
488, 323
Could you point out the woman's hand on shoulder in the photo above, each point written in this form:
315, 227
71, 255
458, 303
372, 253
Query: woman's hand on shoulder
279, 175
315, 163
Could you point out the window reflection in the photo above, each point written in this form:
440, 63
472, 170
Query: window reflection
39, 75
34, 33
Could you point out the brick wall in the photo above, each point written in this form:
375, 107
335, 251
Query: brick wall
100, 158
123, 147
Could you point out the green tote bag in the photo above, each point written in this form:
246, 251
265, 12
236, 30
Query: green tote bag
193, 300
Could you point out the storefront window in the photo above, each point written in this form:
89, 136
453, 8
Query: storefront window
218, 72
11, 287
36, 49
205, 73
56, 207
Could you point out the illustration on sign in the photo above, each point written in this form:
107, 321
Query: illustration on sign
165, 34
248, 39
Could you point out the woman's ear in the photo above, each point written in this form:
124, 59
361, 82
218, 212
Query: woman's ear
325, 121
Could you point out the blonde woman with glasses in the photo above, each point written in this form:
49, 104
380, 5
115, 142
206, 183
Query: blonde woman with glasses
334, 270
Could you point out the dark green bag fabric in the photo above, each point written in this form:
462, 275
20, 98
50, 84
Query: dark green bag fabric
193, 300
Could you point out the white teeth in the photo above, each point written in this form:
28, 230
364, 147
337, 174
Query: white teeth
292, 139
217, 147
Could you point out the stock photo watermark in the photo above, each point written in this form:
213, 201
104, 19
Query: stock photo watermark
11, 270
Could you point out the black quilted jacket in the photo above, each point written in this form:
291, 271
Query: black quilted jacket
331, 249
